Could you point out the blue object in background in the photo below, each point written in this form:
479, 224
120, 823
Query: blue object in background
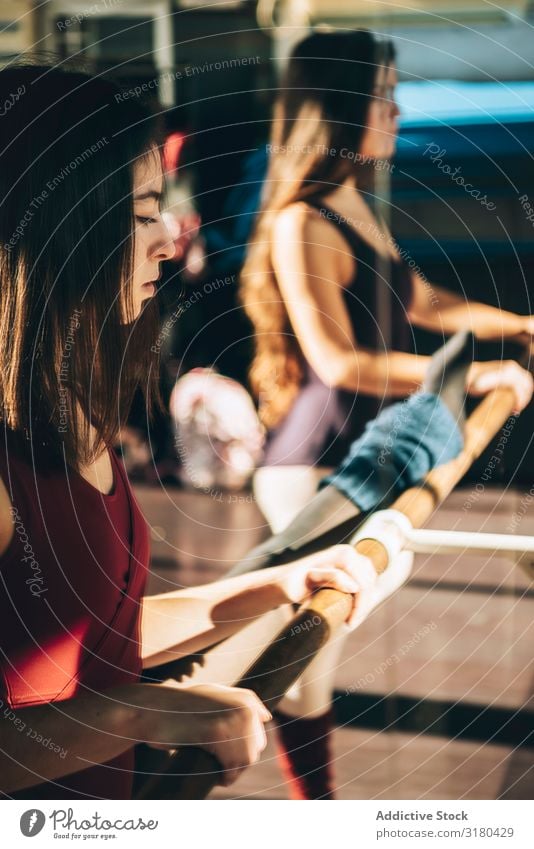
471, 121
468, 119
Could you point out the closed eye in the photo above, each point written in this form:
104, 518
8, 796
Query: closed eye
145, 220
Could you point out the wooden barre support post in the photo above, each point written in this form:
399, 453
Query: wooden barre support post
192, 772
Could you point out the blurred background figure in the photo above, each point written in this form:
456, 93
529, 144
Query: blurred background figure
218, 435
333, 301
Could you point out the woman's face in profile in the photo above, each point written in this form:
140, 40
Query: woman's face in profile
380, 136
153, 242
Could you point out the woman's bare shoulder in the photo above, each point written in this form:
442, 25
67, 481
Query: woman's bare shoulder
300, 227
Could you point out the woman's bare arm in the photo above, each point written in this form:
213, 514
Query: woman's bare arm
179, 623
444, 312
311, 270
48, 741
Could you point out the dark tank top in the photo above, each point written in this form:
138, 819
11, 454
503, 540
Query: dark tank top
71, 582
322, 421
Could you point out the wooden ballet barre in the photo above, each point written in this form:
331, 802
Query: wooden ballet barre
191, 773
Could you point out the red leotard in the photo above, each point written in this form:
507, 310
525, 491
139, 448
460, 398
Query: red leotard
71, 581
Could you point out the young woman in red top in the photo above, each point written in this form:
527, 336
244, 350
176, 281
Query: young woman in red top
81, 242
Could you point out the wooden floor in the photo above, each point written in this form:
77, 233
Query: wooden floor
469, 678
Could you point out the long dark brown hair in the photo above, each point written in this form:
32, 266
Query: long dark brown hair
69, 142
321, 108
